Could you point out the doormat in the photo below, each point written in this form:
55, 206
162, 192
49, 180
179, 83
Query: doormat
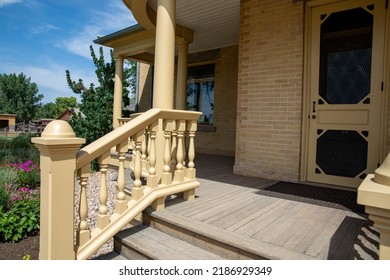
339, 199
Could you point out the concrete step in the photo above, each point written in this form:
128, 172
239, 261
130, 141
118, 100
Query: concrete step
144, 243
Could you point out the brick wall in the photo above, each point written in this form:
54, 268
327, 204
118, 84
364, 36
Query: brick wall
144, 87
270, 77
222, 141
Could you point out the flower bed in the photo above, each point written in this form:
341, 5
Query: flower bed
19, 200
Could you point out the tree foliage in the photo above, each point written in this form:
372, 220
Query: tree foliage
47, 111
96, 107
19, 96
54, 110
63, 103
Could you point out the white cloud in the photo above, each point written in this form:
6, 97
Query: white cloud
8, 2
43, 27
115, 18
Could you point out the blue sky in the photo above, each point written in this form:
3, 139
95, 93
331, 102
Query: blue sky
43, 38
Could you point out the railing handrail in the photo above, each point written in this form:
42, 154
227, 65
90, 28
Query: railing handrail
119, 135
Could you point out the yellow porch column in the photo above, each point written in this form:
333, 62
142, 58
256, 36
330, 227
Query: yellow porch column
118, 91
182, 65
164, 55
374, 193
58, 146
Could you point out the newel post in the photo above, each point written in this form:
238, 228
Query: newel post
58, 145
374, 193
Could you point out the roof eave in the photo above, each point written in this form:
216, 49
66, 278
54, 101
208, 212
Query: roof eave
107, 40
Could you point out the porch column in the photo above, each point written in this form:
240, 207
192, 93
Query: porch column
118, 92
164, 55
374, 193
182, 65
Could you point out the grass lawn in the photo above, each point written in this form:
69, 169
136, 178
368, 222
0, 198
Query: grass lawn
3, 138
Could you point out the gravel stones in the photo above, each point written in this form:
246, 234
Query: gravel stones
93, 189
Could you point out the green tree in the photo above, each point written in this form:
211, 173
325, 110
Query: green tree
19, 96
97, 101
63, 103
47, 110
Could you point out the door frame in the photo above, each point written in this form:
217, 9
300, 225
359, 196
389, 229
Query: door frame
383, 147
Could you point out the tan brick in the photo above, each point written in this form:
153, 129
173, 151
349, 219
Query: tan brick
269, 97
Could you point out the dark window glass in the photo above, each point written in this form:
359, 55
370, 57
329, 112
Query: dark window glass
345, 57
200, 91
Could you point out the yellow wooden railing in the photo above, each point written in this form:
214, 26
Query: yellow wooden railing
61, 159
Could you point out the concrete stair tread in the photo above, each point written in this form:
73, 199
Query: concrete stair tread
157, 245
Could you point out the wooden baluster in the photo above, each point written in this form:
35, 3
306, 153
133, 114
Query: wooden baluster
173, 146
102, 219
137, 192
83, 234
121, 203
184, 151
152, 180
192, 127
166, 177
149, 144
191, 171
179, 172
144, 149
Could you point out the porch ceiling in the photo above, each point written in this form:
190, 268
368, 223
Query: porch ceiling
215, 23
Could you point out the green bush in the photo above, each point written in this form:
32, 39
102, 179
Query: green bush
20, 221
18, 149
8, 175
27, 174
5, 196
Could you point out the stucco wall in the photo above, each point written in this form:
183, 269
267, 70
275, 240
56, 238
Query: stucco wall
270, 78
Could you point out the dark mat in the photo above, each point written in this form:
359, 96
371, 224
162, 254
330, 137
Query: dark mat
339, 199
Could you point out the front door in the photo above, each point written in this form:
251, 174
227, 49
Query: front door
346, 45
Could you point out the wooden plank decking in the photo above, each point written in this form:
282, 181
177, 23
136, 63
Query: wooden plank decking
233, 204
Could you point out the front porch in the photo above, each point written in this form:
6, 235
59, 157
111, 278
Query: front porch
241, 220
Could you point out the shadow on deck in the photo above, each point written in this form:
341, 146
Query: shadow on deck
293, 222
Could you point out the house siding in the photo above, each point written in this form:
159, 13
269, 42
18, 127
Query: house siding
270, 86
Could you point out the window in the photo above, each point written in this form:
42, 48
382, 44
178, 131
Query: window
200, 91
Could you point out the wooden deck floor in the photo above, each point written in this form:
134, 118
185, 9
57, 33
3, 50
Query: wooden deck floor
234, 204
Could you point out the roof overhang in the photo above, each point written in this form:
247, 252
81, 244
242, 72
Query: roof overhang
206, 25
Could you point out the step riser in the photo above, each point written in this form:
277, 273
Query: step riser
128, 252
222, 249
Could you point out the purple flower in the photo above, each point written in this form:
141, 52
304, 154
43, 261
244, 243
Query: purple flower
15, 197
24, 190
25, 166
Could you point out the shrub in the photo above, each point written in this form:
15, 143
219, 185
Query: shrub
19, 204
8, 175
18, 148
27, 174
20, 221
4, 197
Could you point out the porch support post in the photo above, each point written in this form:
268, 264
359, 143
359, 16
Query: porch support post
182, 65
118, 92
164, 55
58, 146
374, 193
